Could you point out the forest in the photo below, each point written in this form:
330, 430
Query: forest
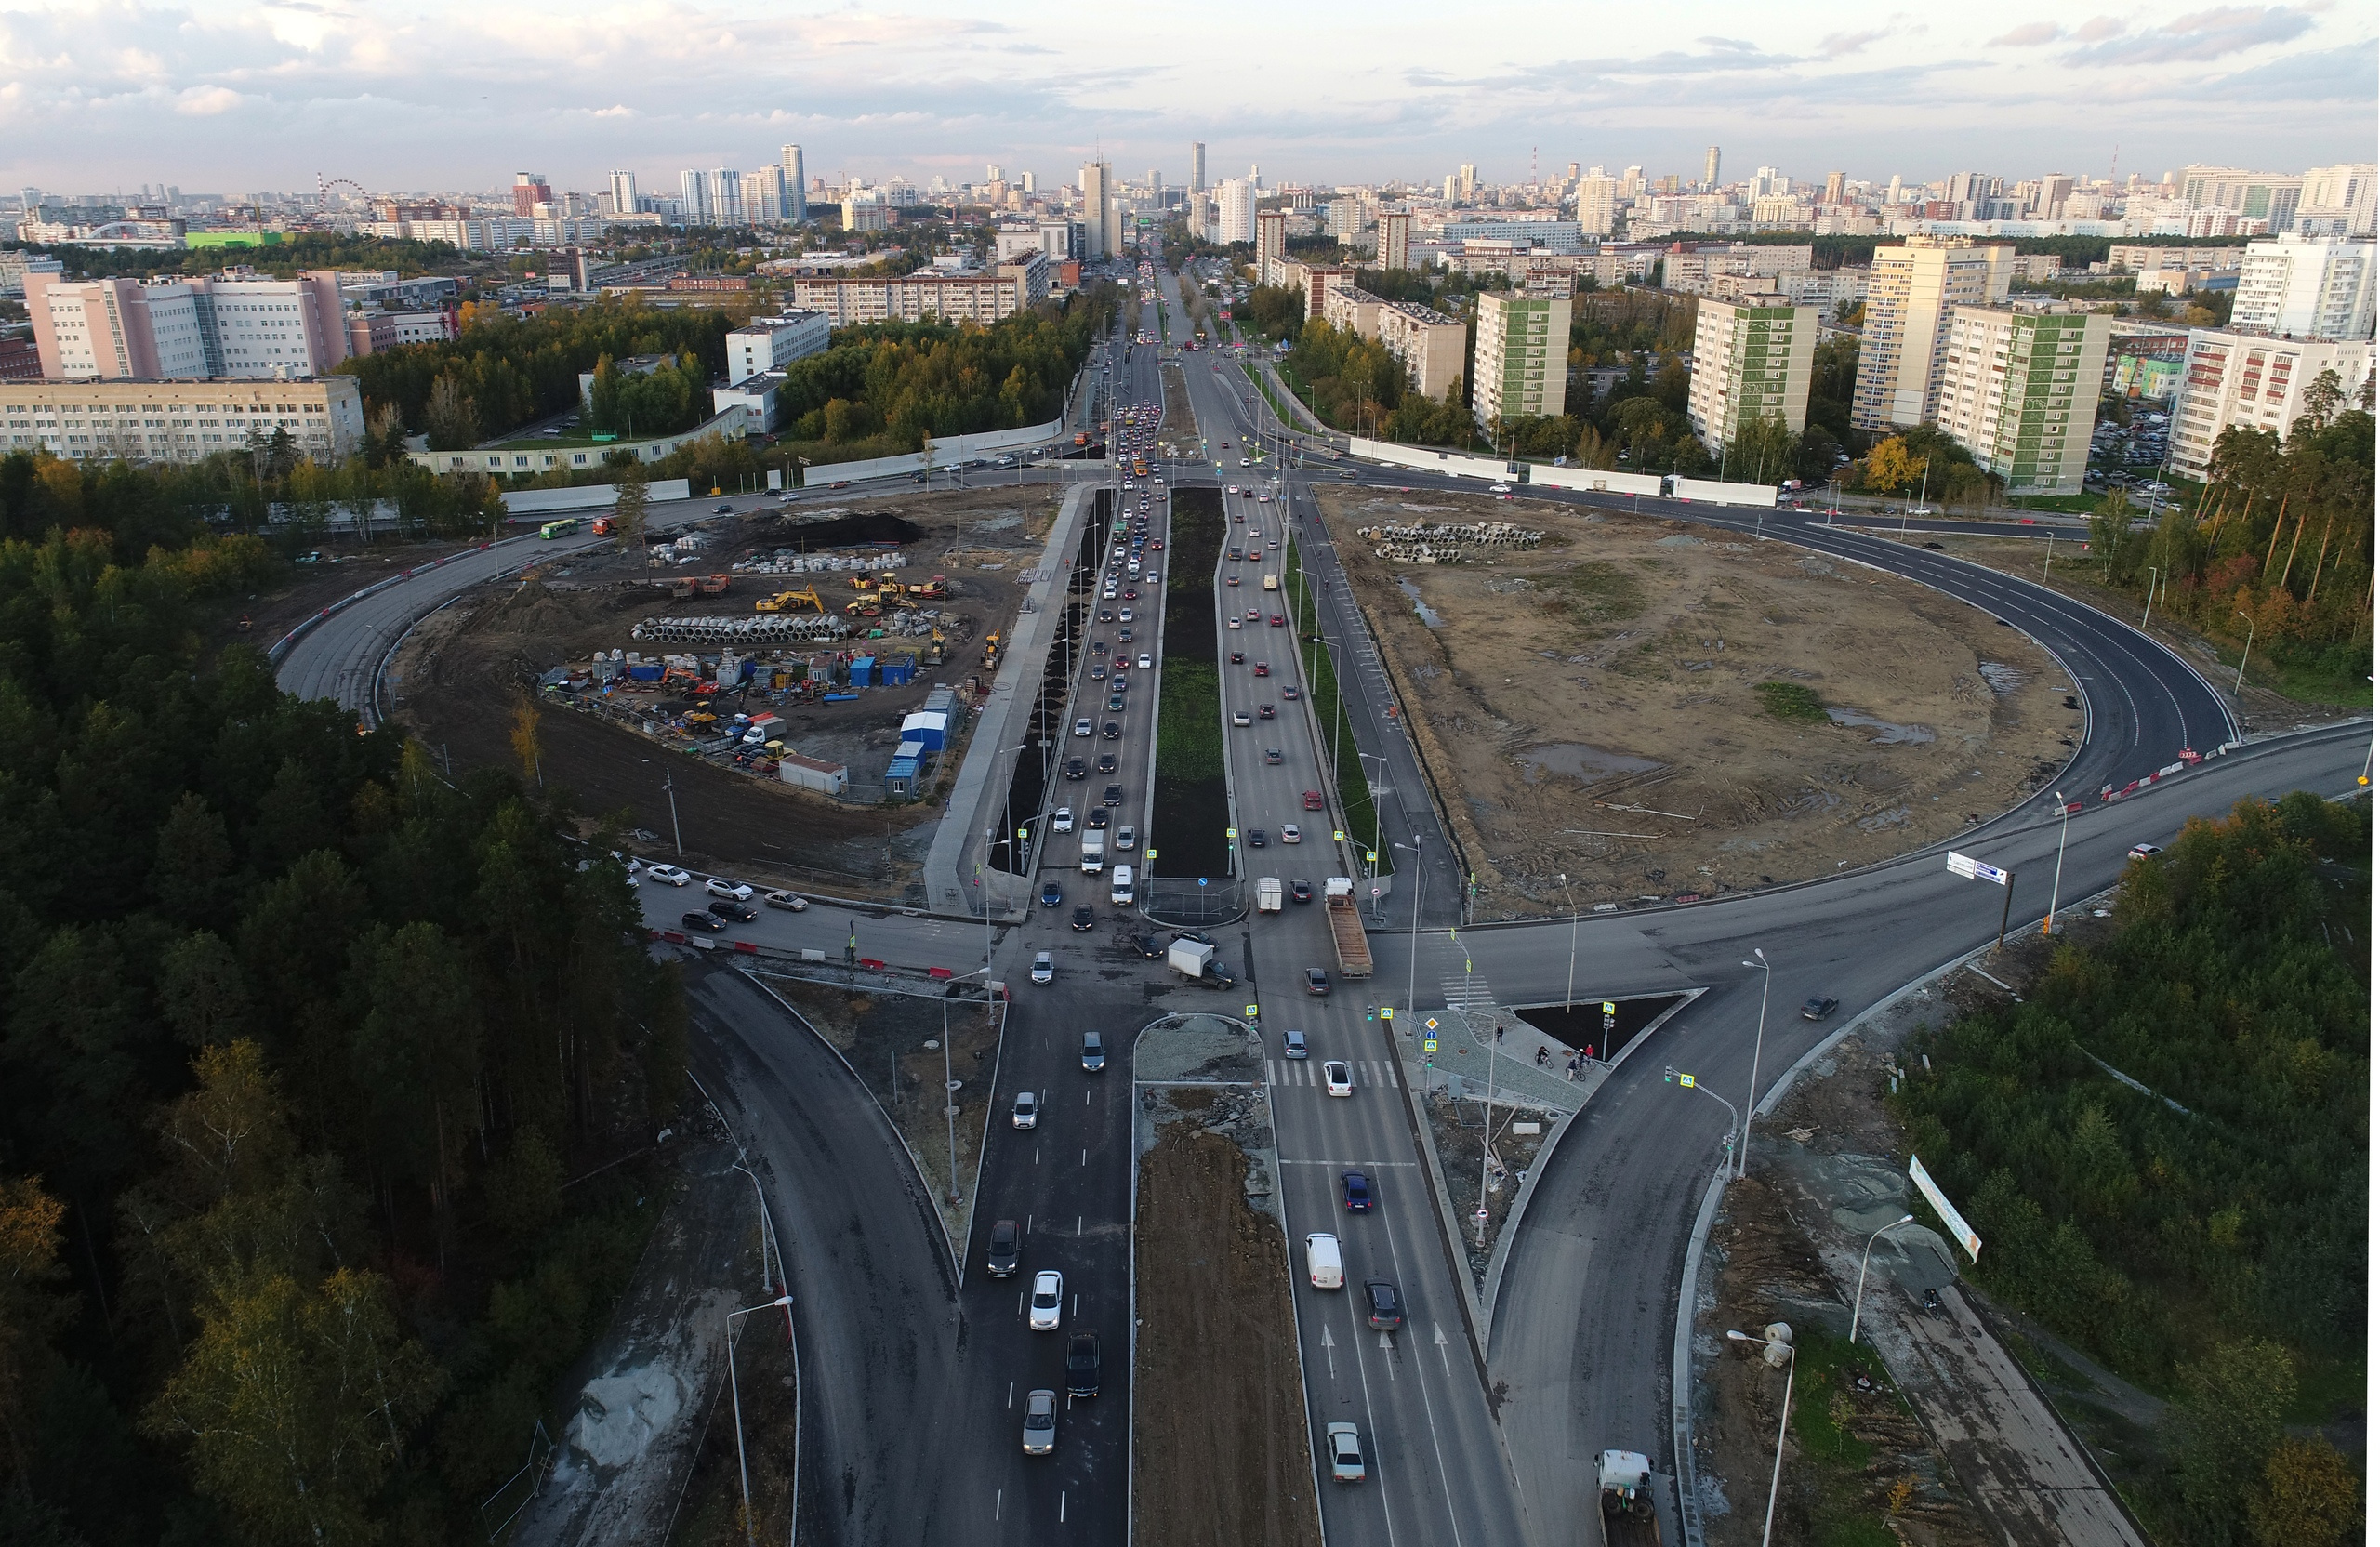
281, 259
1355, 384
2205, 1240
881, 389
302, 1051
673, 397
505, 372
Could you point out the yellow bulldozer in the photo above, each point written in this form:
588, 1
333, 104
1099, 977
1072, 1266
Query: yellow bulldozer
805, 600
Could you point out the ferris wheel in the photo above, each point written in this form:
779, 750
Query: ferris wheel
325, 187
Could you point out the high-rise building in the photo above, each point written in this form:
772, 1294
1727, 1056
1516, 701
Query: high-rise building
1520, 365
1272, 244
1466, 180
767, 196
1031, 183
1833, 189
2250, 382
1197, 166
2271, 197
623, 190
1098, 209
1598, 205
1912, 289
1711, 166
204, 326
1346, 221
1156, 184
1396, 238
797, 187
1751, 362
694, 196
2021, 390
529, 190
1234, 211
2306, 287
2341, 196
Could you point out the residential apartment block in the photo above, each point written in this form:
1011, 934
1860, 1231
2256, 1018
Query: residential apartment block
1520, 366
2306, 287
180, 421
772, 343
1912, 291
1427, 342
976, 298
2021, 390
1751, 363
1395, 239
227, 325
2242, 380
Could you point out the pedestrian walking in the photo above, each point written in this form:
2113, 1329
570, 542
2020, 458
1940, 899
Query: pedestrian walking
1540, 1055
1499, 1034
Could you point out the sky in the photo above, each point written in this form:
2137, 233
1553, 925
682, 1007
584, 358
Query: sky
229, 95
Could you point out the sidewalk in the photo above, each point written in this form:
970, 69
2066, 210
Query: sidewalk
983, 775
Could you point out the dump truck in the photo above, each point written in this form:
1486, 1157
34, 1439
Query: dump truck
1196, 959
1627, 1516
686, 588
1347, 928
806, 599
1268, 893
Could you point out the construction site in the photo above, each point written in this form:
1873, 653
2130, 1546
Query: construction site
784, 693
1661, 710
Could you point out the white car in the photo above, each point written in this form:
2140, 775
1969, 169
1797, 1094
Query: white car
1026, 1113
792, 902
1500, 488
1062, 820
718, 886
1145, 662
1040, 1422
668, 875
1337, 1078
1290, 833
1125, 615
1346, 1452
1044, 968
1049, 1297
1082, 727
1124, 835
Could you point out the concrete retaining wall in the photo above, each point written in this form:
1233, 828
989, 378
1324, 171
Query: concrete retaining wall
1596, 479
1712, 492
586, 497
1427, 458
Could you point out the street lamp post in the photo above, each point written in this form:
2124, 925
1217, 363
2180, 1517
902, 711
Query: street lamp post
1777, 1470
2152, 596
2058, 873
1861, 1293
1413, 941
736, 1391
1752, 1101
1571, 984
2242, 677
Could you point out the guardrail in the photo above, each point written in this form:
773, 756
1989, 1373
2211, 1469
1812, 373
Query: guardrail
280, 646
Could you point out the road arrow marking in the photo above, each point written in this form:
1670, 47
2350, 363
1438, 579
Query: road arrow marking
1439, 1337
1388, 1347
1330, 1357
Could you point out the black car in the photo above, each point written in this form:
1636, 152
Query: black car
1150, 948
1316, 981
735, 912
1075, 768
1107, 762
999, 1256
1818, 1007
1301, 890
704, 922
1082, 1362
1082, 919
1112, 796
1272, 754
1115, 703
1052, 894
1388, 1311
1112, 731
1195, 937
1097, 820
1256, 838
1239, 657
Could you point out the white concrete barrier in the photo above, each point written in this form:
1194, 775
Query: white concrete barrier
587, 497
1427, 458
1596, 479
1712, 492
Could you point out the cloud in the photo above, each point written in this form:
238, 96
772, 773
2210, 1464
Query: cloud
2198, 37
207, 101
2029, 35
1836, 45
2314, 75
2098, 27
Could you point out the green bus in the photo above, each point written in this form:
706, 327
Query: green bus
561, 528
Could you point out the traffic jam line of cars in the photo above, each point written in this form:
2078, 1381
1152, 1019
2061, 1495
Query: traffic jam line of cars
730, 900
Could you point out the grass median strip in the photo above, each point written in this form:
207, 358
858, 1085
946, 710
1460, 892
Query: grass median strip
1331, 713
1191, 806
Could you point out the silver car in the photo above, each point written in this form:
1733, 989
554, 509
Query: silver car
1048, 1300
1346, 1452
1041, 1423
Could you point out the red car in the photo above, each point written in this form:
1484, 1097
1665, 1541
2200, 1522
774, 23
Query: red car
1314, 800
1279, 622
1263, 668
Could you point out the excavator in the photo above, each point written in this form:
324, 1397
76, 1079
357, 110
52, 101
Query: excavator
805, 599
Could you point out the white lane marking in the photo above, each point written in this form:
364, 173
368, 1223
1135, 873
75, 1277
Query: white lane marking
1439, 1337
999, 1497
1330, 1352
1429, 1410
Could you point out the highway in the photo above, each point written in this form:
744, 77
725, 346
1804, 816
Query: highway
1581, 1327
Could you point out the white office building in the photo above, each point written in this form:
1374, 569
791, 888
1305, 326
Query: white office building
622, 191
1235, 210
772, 343
2306, 287
2248, 381
796, 191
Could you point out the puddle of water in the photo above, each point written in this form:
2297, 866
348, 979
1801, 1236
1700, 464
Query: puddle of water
1579, 761
1888, 734
2004, 679
1421, 608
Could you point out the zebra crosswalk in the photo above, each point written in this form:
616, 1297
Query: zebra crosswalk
1469, 992
1308, 1071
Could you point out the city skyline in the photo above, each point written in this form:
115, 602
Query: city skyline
271, 96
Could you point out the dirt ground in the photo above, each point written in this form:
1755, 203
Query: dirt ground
1222, 1455
1455, 1127
1596, 703
456, 676
893, 1041
1770, 1273
1180, 425
2258, 708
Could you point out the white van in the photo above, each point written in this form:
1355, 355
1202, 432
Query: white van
1119, 887
1323, 1268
